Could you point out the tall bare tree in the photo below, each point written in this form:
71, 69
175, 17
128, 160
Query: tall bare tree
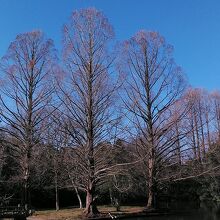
216, 110
87, 96
200, 117
26, 92
154, 84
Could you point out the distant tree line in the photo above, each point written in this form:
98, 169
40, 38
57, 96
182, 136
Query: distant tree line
103, 118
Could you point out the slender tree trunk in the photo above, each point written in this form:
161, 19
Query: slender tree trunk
203, 142
29, 135
26, 194
56, 186
150, 185
197, 137
110, 195
193, 139
150, 202
78, 197
151, 138
217, 118
26, 180
202, 130
207, 127
57, 197
76, 190
178, 145
91, 208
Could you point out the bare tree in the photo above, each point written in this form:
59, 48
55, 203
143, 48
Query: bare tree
154, 84
199, 118
193, 122
208, 117
87, 97
54, 143
216, 110
72, 169
27, 91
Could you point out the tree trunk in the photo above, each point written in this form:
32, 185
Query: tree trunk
150, 196
26, 180
91, 208
76, 190
202, 130
197, 138
151, 138
79, 198
178, 145
111, 197
57, 198
57, 191
217, 118
150, 202
207, 127
193, 139
26, 195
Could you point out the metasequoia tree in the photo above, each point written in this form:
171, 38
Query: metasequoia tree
154, 84
54, 142
87, 97
208, 117
178, 130
193, 122
72, 169
63, 159
216, 111
27, 91
199, 118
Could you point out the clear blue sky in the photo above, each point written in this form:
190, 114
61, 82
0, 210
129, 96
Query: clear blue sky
191, 26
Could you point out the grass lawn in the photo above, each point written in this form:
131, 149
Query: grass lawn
77, 214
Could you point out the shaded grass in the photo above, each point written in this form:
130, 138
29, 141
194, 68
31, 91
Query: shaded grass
77, 214
57, 215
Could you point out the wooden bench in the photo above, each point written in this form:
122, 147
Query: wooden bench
18, 213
